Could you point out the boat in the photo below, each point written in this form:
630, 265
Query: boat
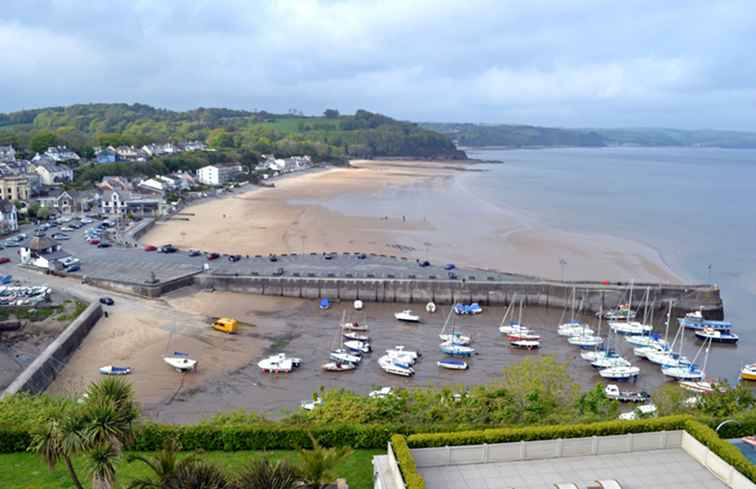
523, 336
455, 336
467, 309
381, 393
698, 386
181, 362
358, 346
749, 440
355, 326
453, 349
407, 316
620, 372
452, 364
513, 328
344, 356
748, 372
610, 362
644, 411
390, 366
111, 370
613, 392
405, 356
645, 340
311, 405
667, 359
630, 327
622, 311
278, 363
689, 372
695, 320
356, 336
430, 307
525, 344
574, 328
585, 340
593, 355
643, 351
716, 335
325, 303
358, 305
338, 366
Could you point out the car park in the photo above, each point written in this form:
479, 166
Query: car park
150, 248
107, 301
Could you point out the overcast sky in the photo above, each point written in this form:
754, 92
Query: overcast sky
579, 63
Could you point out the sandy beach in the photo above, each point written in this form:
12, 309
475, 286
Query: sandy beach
411, 208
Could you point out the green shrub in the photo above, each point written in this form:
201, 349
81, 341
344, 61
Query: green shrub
503, 435
726, 451
406, 462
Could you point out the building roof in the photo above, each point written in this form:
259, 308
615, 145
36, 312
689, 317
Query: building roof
38, 243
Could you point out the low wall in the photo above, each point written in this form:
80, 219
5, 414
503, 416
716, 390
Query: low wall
43, 370
143, 290
724, 471
543, 449
595, 295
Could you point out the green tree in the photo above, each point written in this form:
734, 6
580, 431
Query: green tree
41, 140
331, 113
594, 404
318, 466
220, 138
672, 399
727, 401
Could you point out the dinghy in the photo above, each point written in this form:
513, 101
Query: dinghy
344, 356
407, 316
358, 346
392, 367
620, 372
325, 303
278, 363
181, 362
381, 393
698, 386
338, 367
358, 305
111, 370
456, 350
430, 307
452, 364
356, 336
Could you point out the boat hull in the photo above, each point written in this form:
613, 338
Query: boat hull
452, 365
729, 339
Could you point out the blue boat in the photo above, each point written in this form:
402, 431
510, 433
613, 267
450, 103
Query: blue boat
325, 303
465, 309
717, 336
453, 349
695, 320
452, 364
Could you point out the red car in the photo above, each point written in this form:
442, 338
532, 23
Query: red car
213, 256
4, 259
93, 241
150, 248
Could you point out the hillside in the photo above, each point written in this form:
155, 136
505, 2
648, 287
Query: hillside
334, 137
518, 136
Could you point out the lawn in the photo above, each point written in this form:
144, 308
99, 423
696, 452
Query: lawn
27, 471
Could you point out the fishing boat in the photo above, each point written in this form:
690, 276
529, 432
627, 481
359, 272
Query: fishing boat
344, 356
111, 370
338, 366
748, 372
695, 320
358, 305
350, 335
390, 366
716, 335
620, 372
453, 349
613, 392
181, 362
455, 336
525, 344
610, 362
452, 364
279, 363
358, 346
430, 307
407, 316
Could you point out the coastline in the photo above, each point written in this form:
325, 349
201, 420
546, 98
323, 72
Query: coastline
408, 208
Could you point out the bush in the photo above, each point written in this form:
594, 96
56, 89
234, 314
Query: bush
726, 451
504, 435
406, 462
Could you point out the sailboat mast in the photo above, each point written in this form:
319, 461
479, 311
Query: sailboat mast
669, 318
519, 316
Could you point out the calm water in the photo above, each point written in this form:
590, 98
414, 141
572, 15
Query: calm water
694, 205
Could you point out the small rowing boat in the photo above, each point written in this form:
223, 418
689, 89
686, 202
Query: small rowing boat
111, 370
181, 362
358, 305
452, 364
355, 326
407, 316
338, 367
430, 307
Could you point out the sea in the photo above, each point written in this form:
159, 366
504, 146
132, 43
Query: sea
695, 206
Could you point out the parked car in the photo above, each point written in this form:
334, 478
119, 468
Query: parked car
60, 236
234, 258
423, 263
278, 272
103, 244
150, 248
4, 259
107, 301
93, 241
86, 220
361, 256
11, 244
213, 256
195, 253
450, 266
273, 258
73, 268
169, 248
67, 228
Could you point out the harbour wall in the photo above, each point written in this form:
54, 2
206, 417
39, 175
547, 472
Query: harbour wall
594, 296
43, 370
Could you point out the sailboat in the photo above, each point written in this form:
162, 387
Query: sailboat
668, 357
407, 316
512, 326
452, 364
350, 335
596, 353
573, 327
626, 325
586, 339
455, 336
620, 372
691, 371
180, 361
451, 348
341, 354
394, 367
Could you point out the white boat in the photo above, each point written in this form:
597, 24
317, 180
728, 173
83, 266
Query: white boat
698, 386
358, 346
612, 391
630, 327
344, 356
525, 344
310, 405
381, 393
356, 336
181, 362
574, 328
593, 355
278, 363
645, 340
513, 328
620, 372
645, 411
430, 307
684, 372
667, 358
407, 316
355, 326
451, 348
392, 367
358, 305
643, 351
455, 336
338, 366
610, 362
452, 364
111, 370
585, 341
399, 351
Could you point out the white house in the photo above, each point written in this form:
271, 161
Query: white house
45, 253
7, 154
119, 203
51, 173
218, 174
8, 216
153, 185
61, 153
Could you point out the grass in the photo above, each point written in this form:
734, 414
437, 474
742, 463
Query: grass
28, 471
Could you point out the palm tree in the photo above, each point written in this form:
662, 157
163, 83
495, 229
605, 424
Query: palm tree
60, 440
318, 466
171, 473
264, 474
162, 464
193, 473
102, 469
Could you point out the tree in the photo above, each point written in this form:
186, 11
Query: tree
331, 113
595, 404
726, 401
220, 138
672, 399
41, 140
318, 466
163, 466
264, 474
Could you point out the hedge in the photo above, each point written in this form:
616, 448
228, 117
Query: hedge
406, 462
726, 450
504, 435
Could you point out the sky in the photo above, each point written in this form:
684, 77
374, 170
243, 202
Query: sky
568, 63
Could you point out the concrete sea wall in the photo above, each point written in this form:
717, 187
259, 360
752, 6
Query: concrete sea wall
42, 371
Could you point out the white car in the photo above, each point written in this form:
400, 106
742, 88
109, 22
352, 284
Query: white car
86, 220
